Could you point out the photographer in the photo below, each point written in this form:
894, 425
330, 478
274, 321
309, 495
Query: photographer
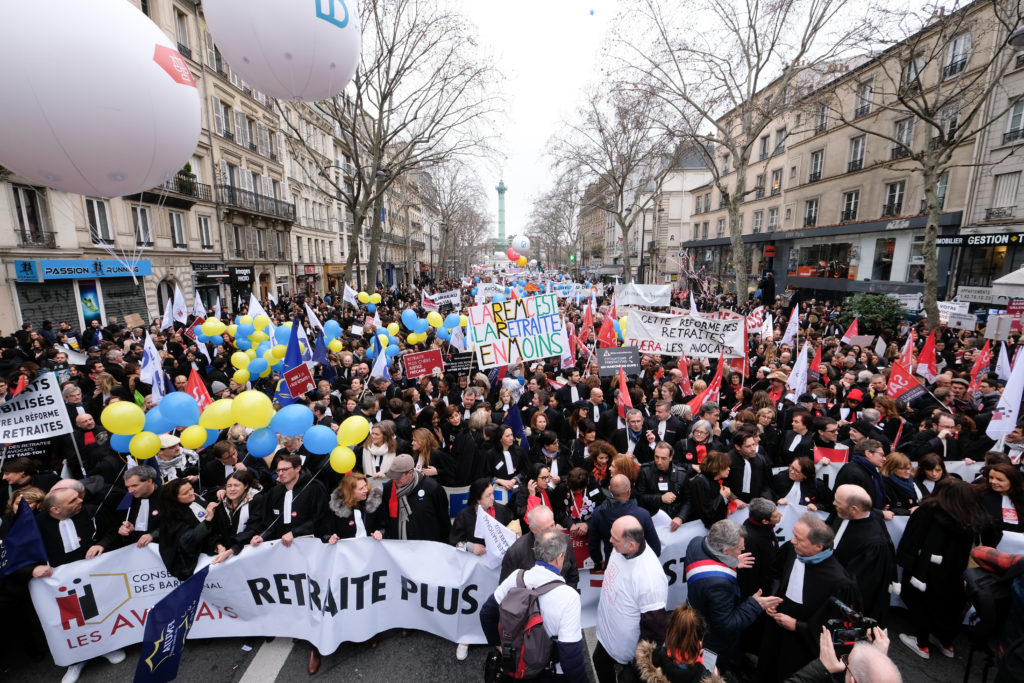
866, 663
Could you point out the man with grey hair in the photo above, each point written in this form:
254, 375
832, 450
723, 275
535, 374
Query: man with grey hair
520, 554
713, 589
809, 578
560, 605
761, 542
141, 523
631, 440
868, 662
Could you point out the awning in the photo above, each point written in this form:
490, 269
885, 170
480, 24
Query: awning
1010, 286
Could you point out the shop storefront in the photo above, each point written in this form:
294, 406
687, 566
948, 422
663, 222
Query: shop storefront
79, 291
207, 277
307, 279
982, 257
241, 280
334, 274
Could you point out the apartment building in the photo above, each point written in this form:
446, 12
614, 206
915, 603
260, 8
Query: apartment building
833, 206
591, 224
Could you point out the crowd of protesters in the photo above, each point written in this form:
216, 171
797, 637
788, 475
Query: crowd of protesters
588, 463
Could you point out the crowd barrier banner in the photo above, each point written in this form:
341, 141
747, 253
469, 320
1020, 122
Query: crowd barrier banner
676, 335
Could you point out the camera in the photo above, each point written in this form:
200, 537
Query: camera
847, 630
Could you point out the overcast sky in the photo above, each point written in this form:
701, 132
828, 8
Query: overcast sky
548, 51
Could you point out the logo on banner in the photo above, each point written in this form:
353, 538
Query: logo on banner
78, 604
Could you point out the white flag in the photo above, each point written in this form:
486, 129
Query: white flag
350, 296
167, 319
180, 309
1007, 411
793, 327
270, 295
457, 339
1003, 365
314, 322
880, 347
216, 308
255, 307
693, 305
797, 382
198, 309
380, 366
151, 371
307, 350
376, 320
497, 538
768, 328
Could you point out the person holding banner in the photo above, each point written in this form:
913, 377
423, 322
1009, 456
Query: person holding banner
352, 502
413, 508
710, 499
798, 485
235, 519
185, 525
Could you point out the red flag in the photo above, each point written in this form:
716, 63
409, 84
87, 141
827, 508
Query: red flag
624, 400
512, 293
850, 332
20, 386
902, 385
606, 337
711, 393
197, 390
907, 354
831, 454
684, 385
927, 365
814, 371
588, 324
983, 360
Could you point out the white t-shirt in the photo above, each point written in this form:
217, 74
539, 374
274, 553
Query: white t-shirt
560, 608
630, 588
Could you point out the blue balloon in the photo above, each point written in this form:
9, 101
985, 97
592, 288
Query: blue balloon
180, 408
478, 279
409, 318
498, 298
200, 337
370, 353
257, 366
392, 351
156, 423
508, 290
217, 341
278, 366
237, 320
245, 330
444, 334
261, 443
420, 326
332, 328
211, 437
282, 335
371, 307
119, 442
392, 340
319, 440
452, 320
473, 291
292, 420
243, 344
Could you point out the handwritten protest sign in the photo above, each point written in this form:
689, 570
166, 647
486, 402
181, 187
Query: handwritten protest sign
518, 330
675, 335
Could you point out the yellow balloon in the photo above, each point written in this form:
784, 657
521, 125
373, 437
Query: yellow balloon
240, 377
335, 345
411, 339
288, 324
144, 444
193, 437
375, 298
393, 329
260, 321
233, 330
240, 360
363, 297
384, 340
463, 321
279, 351
343, 459
257, 337
522, 261
245, 320
435, 319
353, 430
251, 353
218, 415
123, 417
622, 322
209, 327
253, 409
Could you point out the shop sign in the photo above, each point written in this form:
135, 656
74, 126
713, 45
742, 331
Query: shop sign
207, 267
981, 295
992, 240
334, 269
241, 275
309, 270
61, 269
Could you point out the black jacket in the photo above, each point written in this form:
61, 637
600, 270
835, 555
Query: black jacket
309, 505
429, 517
643, 451
464, 526
760, 476
520, 556
652, 484
343, 522
811, 491
706, 501
88, 536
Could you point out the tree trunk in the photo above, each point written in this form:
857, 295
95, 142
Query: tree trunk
353, 251
739, 255
374, 255
931, 258
626, 261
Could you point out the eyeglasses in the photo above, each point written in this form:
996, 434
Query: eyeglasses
539, 478
284, 469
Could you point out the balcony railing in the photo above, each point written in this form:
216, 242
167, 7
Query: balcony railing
814, 177
953, 68
848, 215
820, 127
892, 209
899, 152
239, 253
810, 221
776, 191
854, 165
37, 238
759, 192
185, 50
862, 110
253, 147
764, 155
183, 183
228, 135
1020, 60
998, 213
255, 202
418, 244
1012, 135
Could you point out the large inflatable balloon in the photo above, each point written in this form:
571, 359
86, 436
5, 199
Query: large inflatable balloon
65, 124
289, 50
521, 243
123, 417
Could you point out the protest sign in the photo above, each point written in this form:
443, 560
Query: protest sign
610, 360
133, 320
947, 308
910, 302
459, 363
489, 289
452, 299
962, 321
299, 380
423, 364
36, 413
519, 330
677, 335
643, 295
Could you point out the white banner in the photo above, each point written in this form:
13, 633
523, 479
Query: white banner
489, 289
36, 413
643, 295
452, 298
675, 335
518, 330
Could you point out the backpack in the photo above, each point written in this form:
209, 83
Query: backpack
525, 645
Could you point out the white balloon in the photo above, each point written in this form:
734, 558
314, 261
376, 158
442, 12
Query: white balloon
287, 49
97, 99
521, 243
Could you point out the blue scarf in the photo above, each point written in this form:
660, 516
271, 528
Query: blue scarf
816, 559
906, 486
633, 436
878, 497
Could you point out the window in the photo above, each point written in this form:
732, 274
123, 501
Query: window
882, 267
700, 203
776, 181
177, 229
893, 199
143, 230
704, 230
99, 221
241, 128
851, 201
821, 120
759, 186
863, 102
825, 260
221, 119
810, 213
765, 146
905, 136
721, 227
1015, 123
261, 243
773, 220
911, 76
758, 221
707, 201
941, 188
956, 60
205, 236
817, 161
28, 207
948, 120
298, 248
1005, 197
725, 165
780, 140
915, 265
181, 29
696, 230
856, 154
236, 231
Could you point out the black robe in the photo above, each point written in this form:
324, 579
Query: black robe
309, 510
464, 526
867, 552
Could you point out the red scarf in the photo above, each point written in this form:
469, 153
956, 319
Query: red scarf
600, 472
702, 452
88, 438
490, 511
393, 502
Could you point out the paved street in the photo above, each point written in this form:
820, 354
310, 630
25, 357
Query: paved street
418, 657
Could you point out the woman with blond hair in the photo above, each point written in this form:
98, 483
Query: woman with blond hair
377, 452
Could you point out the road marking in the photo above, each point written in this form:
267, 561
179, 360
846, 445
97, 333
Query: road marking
267, 663
590, 637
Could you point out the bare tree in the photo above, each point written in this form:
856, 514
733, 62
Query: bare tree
728, 81
943, 71
553, 223
420, 97
620, 141
453, 190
